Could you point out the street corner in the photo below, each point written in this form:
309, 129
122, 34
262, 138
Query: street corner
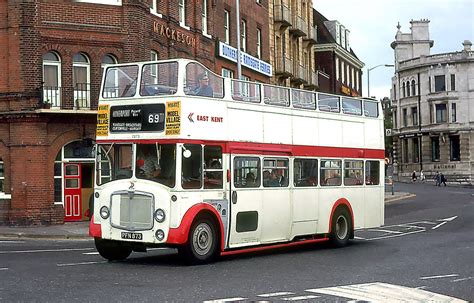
398, 196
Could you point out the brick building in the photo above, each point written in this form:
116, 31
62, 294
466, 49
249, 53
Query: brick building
339, 69
49, 86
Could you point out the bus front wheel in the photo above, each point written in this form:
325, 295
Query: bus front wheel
112, 250
202, 246
341, 227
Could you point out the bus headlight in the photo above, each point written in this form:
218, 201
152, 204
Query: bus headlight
160, 235
160, 215
104, 212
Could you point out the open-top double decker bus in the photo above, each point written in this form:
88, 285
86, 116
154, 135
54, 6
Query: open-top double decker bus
244, 166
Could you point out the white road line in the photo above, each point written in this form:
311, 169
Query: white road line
225, 300
3, 268
440, 224
383, 292
43, 250
393, 236
81, 263
91, 253
387, 231
12, 242
299, 298
439, 277
462, 279
360, 238
276, 294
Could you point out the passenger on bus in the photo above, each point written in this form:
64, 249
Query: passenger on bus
250, 180
147, 162
203, 88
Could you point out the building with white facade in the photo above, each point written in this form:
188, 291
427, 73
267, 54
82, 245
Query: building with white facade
433, 107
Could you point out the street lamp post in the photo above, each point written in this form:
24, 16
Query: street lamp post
368, 75
239, 66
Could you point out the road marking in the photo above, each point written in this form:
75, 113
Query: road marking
462, 279
12, 242
81, 263
299, 298
444, 221
387, 231
91, 253
3, 268
439, 277
276, 294
398, 235
383, 292
43, 250
225, 300
360, 238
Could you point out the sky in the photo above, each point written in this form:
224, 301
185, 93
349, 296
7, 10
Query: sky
373, 25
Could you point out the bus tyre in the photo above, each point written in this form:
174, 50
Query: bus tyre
202, 246
341, 227
112, 250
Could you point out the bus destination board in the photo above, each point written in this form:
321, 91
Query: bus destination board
137, 118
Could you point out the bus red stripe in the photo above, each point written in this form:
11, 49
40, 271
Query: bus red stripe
269, 247
273, 149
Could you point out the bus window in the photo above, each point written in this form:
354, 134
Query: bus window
213, 175
201, 82
328, 103
371, 109
120, 81
372, 172
305, 172
114, 162
331, 172
246, 172
156, 162
159, 79
191, 166
275, 172
352, 106
353, 172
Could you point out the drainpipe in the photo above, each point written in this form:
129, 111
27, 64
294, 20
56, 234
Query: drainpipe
419, 124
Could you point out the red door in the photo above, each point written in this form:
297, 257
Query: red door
72, 192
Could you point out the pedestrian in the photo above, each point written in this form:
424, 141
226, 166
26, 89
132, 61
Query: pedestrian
413, 176
438, 178
442, 180
422, 176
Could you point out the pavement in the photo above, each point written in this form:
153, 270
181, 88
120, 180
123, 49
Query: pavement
80, 230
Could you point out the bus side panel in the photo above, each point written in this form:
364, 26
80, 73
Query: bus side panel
374, 210
330, 132
305, 131
277, 128
305, 211
374, 137
355, 196
327, 197
352, 133
245, 125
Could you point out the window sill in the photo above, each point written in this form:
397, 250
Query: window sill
184, 26
5, 196
155, 13
207, 35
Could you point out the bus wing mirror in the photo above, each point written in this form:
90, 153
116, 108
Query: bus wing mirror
186, 153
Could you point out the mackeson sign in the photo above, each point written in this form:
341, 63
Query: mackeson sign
173, 34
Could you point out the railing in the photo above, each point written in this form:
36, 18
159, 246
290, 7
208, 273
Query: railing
282, 14
312, 35
284, 66
299, 26
52, 96
82, 96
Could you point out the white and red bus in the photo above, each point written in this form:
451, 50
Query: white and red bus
245, 166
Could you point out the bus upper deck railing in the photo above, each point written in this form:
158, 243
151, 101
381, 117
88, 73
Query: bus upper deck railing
190, 78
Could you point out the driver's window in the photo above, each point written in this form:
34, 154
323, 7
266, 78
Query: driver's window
156, 162
191, 166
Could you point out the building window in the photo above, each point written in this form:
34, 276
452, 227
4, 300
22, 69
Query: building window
453, 112
408, 88
413, 88
453, 82
227, 73
440, 84
154, 68
243, 35
81, 80
154, 8
394, 119
435, 149
405, 117
182, 12
357, 81
259, 43
204, 17
337, 69
414, 115
415, 151
226, 27
343, 75
441, 113
454, 150
405, 150
2, 177
403, 90
394, 92
52, 79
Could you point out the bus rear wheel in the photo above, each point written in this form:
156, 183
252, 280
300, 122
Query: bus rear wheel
202, 246
112, 250
341, 227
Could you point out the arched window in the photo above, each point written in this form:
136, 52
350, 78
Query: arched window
52, 79
403, 90
413, 88
81, 81
408, 88
112, 78
109, 59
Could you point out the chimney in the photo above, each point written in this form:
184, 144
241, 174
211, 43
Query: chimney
467, 45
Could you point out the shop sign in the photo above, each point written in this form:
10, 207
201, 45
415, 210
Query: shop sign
230, 53
174, 34
346, 90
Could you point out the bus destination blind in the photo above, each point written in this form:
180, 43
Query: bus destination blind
137, 118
